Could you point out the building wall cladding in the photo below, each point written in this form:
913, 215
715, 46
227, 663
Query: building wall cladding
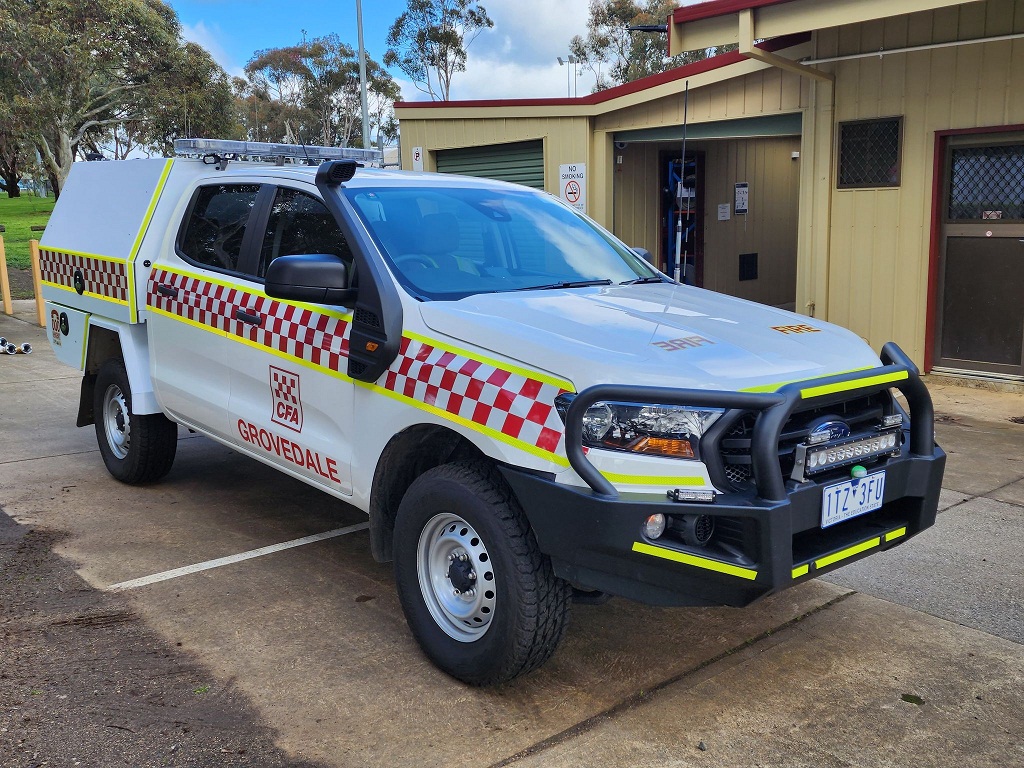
770, 229
566, 139
879, 239
764, 92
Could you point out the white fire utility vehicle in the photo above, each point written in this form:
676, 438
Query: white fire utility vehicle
524, 408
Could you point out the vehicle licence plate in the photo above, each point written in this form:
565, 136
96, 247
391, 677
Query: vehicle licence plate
841, 501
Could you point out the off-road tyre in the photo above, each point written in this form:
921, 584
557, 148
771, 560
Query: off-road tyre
137, 448
529, 608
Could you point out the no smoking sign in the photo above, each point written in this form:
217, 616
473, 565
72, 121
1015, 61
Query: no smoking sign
573, 185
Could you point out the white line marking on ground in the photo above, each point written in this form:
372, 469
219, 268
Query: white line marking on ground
217, 563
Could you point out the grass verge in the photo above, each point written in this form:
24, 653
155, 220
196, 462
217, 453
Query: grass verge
19, 214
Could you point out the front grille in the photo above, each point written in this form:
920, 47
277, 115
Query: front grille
862, 414
738, 474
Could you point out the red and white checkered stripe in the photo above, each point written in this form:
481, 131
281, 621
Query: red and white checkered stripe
515, 405
512, 404
101, 277
312, 336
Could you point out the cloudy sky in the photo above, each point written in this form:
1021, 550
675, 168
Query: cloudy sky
517, 58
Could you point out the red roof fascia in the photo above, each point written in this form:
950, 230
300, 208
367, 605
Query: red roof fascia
712, 8
679, 73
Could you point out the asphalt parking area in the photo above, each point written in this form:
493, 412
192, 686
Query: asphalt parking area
306, 647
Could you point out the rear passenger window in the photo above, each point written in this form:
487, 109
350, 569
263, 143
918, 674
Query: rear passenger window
299, 223
213, 235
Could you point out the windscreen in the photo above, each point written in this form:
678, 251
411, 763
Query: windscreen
447, 243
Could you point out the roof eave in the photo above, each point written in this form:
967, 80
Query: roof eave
712, 69
717, 22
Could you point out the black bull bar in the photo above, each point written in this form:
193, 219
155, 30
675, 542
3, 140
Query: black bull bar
773, 409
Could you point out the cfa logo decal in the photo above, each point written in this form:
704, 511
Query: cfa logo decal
285, 402
55, 326
788, 329
687, 342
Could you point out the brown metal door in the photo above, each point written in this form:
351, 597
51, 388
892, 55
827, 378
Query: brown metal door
981, 320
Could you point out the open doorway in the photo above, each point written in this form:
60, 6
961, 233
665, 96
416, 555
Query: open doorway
682, 205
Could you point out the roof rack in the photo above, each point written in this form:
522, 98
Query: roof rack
224, 149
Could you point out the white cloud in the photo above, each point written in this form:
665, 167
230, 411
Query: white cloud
208, 37
518, 58
531, 31
490, 79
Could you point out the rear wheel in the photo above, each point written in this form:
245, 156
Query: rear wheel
479, 596
136, 448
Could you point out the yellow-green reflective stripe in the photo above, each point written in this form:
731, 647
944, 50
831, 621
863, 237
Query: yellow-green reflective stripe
88, 294
844, 386
653, 480
895, 534
856, 549
698, 562
152, 207
85, 341
801, 570
502, 364
780, 384
83, 254
133, 305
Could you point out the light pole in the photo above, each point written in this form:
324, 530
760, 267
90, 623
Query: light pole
564, 63
362, 76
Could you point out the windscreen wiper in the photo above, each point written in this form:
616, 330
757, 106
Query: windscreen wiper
641, 280
566, 284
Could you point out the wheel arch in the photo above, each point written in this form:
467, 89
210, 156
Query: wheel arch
107, 339
408, 455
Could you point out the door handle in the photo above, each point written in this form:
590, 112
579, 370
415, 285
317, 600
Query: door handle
167, 290
246, 317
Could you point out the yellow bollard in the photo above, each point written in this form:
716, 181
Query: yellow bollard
37, 282
5, 281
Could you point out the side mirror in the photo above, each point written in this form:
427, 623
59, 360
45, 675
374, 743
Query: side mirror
318, 278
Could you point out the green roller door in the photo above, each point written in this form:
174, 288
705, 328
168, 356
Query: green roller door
520, 163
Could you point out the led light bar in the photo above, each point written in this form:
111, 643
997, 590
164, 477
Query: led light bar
811, 460
260, 149
685, 494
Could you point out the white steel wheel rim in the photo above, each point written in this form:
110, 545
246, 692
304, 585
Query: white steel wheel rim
116, 421
451, 556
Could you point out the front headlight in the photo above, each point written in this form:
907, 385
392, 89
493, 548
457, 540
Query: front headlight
661, 430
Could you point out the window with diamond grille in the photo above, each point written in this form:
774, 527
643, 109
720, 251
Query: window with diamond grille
987, 183
869, 153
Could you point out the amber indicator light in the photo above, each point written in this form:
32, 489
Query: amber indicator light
665, 446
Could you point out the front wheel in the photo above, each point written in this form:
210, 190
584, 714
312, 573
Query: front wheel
479, 596
137, 448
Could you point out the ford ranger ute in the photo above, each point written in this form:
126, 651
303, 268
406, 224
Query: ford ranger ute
526, 410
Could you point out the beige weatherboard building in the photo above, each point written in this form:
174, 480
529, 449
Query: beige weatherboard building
863, 162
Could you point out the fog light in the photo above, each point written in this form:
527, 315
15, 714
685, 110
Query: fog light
698, 529
654, 526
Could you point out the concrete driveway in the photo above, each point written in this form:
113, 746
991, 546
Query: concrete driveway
910, 657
